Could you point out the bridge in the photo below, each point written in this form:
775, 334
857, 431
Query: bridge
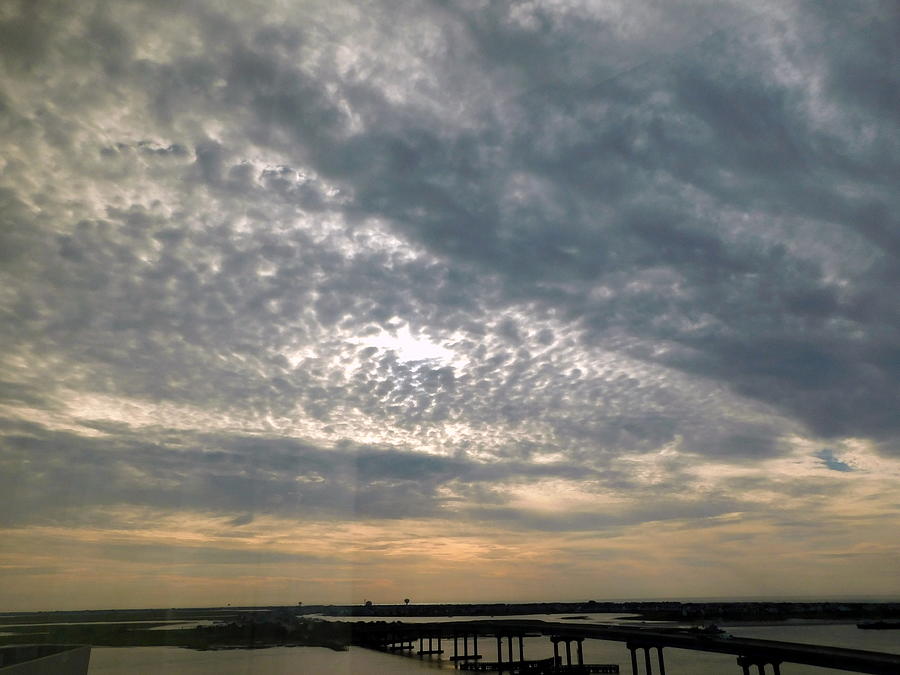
645, 645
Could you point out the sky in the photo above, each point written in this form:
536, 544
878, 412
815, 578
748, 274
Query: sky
454, 301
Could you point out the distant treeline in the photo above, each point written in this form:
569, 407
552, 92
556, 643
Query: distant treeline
257, 630
651, 611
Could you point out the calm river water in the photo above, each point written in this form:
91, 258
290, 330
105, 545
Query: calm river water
356, 661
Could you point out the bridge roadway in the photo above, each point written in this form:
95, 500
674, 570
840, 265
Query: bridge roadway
750, 651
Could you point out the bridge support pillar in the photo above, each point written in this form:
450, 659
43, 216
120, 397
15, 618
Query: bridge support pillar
521, 648
746, 663
662, 661
555, 651
580, 652
499, 654
647, 662
568, 652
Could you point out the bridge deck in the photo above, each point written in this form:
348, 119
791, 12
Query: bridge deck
838, 658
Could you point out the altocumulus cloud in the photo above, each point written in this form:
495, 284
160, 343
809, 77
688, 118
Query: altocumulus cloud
350, 263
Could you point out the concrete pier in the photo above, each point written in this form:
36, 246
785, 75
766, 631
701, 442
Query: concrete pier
44, 659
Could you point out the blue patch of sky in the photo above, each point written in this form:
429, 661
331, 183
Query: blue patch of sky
831, 461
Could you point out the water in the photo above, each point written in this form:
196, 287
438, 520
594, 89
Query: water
617, 618
274, 661
357, 661
87, 623
836, 635
187, 624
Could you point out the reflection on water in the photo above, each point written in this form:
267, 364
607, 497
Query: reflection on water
182, 625
88, 623
357, 661
617, 618
274, 661
837, 635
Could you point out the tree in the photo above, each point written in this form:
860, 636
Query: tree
406, 600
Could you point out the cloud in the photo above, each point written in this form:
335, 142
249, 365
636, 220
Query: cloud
326, 261
245, 519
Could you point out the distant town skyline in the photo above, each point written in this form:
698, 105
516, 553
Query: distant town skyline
456, 302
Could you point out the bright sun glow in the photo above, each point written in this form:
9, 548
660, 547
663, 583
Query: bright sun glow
409, 347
